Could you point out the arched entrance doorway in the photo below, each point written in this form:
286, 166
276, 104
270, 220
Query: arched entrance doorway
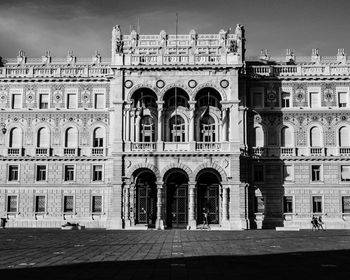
176, 198
208, 192
146, 198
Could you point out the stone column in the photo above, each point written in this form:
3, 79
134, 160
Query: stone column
132, 125
159, 126
224, 124
225, 206
137, 126
132, 210
191, 131
159, 221
192, 223
127, 223
127, 122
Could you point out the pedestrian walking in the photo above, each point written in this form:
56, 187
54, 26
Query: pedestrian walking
320, 223
205, 218
314, 222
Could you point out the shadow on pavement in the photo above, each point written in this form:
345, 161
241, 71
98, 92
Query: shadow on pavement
311, 265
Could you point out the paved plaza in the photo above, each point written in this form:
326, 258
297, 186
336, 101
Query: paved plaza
173, 254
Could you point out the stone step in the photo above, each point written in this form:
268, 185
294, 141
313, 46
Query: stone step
287, 229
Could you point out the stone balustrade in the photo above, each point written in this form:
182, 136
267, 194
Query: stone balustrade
58, 71
298, 70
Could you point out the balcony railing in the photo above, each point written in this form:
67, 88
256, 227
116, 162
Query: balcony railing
98, 151
14, 152
285, 152
344, 151
259, 151
317, 151
42, 151
208, 146
143, 146
70, 151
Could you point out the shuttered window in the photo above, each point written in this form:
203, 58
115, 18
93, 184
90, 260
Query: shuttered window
68, 204
40, 204
12, 204
342, 99
314, 99
97, 204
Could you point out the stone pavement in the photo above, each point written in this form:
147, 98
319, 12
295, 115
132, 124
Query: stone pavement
173, 254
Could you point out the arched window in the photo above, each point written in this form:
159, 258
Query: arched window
258, 137
344, 139
71, 140
211, 101
286, 137
98, 137
15, 138
147, 129
43, 139
207, 126
180, 101
177, 129
315, 137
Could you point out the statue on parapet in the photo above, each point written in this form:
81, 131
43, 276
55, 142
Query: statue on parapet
163, 41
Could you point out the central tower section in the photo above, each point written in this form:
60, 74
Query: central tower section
176, 128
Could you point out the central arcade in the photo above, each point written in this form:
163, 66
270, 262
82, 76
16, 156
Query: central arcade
179, 146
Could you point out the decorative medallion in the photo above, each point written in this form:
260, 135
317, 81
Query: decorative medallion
328, 95
160, 84
85, 96
3, 97
30, 96
300, 93
192, 83
224, 83
343, 118
57, 96
128, 84
271, 96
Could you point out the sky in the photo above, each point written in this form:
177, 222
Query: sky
85, 26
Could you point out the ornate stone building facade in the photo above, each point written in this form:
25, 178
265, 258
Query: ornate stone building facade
172, 126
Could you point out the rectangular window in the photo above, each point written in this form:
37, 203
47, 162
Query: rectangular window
68, 204
13, 173
16, 101
71, 101
345, 173
97, 173
285, 100
12, 204
317, 204
288, 173
99, 101
342, 99
259, 204
69, 172
258, 99
40, 204
43, 101
258, 173
41, 172
314, 99
316, 173
346, 204
288, 204
97, 204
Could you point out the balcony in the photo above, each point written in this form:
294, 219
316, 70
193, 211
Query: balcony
343, 151
287, 152
98, 152
14, 152
143, 146
42, 151
70, 152
176, 146
317, 152
259, 151
208, 146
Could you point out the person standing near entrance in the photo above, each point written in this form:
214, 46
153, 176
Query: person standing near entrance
205, 218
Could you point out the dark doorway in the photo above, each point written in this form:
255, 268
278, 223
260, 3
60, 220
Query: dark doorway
208, 197
176, 208
146, 197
